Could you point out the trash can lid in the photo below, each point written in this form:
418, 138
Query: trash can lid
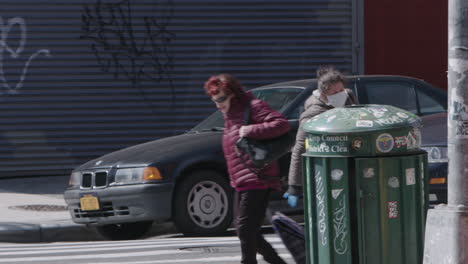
361, 118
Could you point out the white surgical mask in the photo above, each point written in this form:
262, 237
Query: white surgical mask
338, 99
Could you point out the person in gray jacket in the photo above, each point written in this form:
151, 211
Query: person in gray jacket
331, 93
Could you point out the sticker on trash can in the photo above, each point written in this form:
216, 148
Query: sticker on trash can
410, 176
401, 142
414, 139
393, 182
368, 172
336, 193
385, 143
337, 174
402, 115
379, 112
393, 209
357, 143
364, 123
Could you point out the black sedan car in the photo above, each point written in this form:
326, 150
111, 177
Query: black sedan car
434, 141
184, 179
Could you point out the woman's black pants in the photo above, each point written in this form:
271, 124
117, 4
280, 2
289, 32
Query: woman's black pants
250, 208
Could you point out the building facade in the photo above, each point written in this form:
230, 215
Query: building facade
82, 78
407, 38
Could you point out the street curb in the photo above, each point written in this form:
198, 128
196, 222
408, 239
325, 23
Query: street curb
11, 232
37, 233
20, 233
68, 232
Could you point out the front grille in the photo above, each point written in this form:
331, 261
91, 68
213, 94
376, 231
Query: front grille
100, 179
87, 180
94, 179
107, 210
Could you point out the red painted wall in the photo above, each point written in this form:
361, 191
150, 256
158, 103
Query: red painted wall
407, 37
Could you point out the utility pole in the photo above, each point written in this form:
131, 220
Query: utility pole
447, 225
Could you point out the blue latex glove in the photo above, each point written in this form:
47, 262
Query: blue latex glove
292, 199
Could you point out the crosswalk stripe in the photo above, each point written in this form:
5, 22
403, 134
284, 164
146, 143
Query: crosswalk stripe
183, 239
95, 256
114, 244
65, 249
193, 260
110, 247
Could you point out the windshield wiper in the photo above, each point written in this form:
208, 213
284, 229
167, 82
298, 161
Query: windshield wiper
207, 130
212, 129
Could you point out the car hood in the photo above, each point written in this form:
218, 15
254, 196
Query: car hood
160, 150
434, 131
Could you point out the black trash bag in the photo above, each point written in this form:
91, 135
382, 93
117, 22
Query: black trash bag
292, 235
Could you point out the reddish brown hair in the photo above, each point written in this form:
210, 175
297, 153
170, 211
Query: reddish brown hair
224, 83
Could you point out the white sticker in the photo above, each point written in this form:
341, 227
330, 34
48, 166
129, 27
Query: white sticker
368, 172
414, 139
393, 182
378, 114
393, 209
410, 176
380, 108
336, 193
402, 115
364, 123
336, 174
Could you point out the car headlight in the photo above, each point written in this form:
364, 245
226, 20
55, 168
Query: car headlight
136, 175
436, 154
74, 180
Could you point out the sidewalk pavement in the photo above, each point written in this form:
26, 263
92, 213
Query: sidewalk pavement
32, 210
39, 218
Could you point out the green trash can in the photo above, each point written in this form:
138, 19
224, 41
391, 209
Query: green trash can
365, 186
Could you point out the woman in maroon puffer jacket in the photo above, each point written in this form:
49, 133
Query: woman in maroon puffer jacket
252, 193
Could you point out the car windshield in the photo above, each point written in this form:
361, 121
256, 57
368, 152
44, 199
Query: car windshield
278, 98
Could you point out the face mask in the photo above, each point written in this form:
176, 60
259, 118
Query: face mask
338, 99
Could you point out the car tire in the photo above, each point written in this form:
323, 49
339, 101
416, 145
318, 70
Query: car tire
203, 204
126, 231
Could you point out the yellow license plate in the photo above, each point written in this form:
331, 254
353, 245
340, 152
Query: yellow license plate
89, 202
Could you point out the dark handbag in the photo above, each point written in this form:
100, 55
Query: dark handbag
263, 152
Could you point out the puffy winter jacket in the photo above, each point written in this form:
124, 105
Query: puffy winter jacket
264, 123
